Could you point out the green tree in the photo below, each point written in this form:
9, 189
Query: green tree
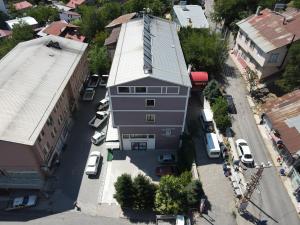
43, 14
110, 11
296, 3
220, 106
98, 59
212, 91
100, 37
144, 193
169, 197
290, 79
186, 153
124, 191
194, 192
203, 49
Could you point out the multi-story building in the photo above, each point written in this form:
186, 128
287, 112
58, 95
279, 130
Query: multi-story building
40, 81
148, 85
264, 39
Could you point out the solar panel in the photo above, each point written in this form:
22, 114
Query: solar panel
147, 45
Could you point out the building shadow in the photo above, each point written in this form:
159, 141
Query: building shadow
139, 216
252, 219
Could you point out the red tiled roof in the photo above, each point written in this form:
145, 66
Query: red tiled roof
121, 19
276, 28
284, 114
5, 33
56, 28
74, 3
22, 5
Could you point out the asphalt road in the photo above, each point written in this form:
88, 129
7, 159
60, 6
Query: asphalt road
273, 205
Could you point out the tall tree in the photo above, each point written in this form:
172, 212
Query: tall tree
144, 193
98, 59
124, 191
203, 49
43, 14
290, 79
296, 3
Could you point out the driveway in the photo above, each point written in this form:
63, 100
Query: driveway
270, 203
216, 186
70, 184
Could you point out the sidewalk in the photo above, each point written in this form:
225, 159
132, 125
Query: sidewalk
267, 138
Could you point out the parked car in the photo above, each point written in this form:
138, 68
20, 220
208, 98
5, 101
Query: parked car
230, 102
94, 81
103, 80
98, 137
244, 152
23, 202
88, 94
166, 170
103, 104
224, 151
166, 158
98, 119
93, 163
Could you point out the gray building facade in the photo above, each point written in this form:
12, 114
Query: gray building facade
148, 85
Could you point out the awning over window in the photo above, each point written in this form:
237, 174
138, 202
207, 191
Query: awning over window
199, 78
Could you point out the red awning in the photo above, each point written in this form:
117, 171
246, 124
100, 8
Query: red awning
199, 76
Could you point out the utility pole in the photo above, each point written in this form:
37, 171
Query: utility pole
250, 188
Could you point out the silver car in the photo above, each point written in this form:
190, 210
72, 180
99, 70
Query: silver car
93, 163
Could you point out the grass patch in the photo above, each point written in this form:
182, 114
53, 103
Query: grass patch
110, 155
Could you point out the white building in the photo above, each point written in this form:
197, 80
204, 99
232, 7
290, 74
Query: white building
28, 20
190, 15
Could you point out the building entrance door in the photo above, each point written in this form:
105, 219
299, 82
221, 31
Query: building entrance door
138, 145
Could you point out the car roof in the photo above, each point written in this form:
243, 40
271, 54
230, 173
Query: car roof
98, 134
102, 113
92, 160
104, 100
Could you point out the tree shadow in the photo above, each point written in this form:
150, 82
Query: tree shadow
139, 216
251, 218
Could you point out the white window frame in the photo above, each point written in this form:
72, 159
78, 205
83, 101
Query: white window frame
150, 99
167, 87
150, 115
123, 93
168, 132
128, 136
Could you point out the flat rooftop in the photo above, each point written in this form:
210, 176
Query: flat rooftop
33, 77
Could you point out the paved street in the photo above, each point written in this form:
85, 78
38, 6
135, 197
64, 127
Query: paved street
216, 186
271, 203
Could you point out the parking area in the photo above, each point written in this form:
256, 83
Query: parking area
130, 162
70, 183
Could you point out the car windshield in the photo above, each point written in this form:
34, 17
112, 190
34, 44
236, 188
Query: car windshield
243, 144
248, 156
25, 200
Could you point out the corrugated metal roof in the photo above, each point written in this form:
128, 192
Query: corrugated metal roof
191, 15
284, 114
168, 62
32, 79
271, 30
28, 20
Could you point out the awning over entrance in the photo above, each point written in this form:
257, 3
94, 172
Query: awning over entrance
199, 78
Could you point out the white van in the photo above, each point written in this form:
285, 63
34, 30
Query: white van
206, 117
212, 145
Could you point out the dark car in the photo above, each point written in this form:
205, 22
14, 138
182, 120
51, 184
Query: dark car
166, 158
231, 106
166, 170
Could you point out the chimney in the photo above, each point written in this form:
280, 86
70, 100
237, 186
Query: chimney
258, 10
190, 22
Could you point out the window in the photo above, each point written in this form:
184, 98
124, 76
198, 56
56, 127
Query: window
247, 40
240, 35
125, 136
273, 58
49, 121
150, 102
168, 132
140, 89
39, 139
48, 146
151, 136
150, 118
252, 45
172, 90
123, 90
42, 133
52, 134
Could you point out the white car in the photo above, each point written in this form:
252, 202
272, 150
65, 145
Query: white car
98, 137
103, 104
24, 202
88, 94
93, 163
98, 119
103, 80
244, 152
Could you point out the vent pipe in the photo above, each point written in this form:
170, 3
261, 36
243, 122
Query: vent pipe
258, 10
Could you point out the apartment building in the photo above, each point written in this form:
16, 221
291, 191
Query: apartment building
264, 39
40, 82
148, 85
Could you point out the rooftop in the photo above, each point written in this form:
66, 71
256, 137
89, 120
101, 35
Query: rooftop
271, 30
284, 114
74, 3
113, 37
32, 79
191, 15
5, 33
137, 57
28, 20
22, 5
121, 19
57, 27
